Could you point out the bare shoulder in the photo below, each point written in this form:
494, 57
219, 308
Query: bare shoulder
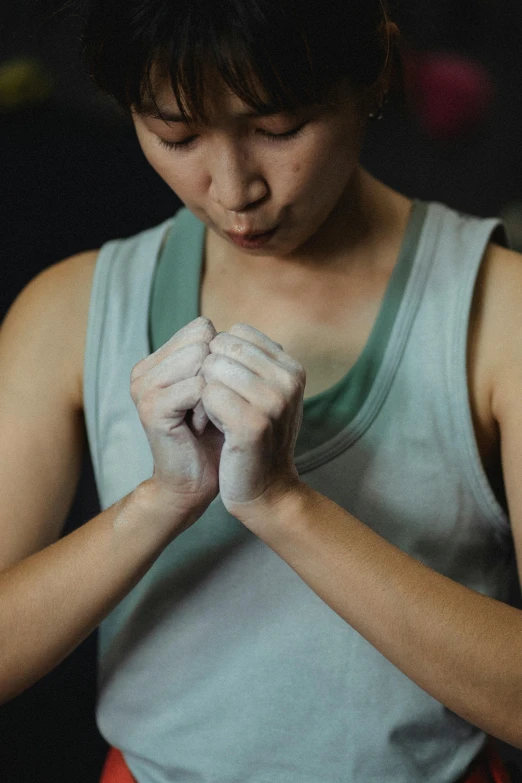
498, 305
77, 273
41, 408
62, 293
499, 292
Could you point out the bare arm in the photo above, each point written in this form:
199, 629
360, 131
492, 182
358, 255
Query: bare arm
461, 647
54, 592
51, 601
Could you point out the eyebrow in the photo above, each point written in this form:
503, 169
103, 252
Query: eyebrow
153, 113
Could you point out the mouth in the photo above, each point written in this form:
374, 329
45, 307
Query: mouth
252, 240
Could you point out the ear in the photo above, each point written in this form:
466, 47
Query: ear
381, 88
392, 34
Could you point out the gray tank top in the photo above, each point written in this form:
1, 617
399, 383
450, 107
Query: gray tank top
222, 665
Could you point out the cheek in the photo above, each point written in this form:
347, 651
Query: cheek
180, 175
153, 153
317, 169
157, 161
164, 162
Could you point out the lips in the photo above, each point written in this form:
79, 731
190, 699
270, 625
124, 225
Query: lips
250, 234
252, 241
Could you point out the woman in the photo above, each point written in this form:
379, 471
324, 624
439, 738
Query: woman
329, 357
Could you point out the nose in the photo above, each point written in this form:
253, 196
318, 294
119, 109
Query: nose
236, 182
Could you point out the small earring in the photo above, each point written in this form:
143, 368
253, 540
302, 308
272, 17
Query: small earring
376, 115
379, 113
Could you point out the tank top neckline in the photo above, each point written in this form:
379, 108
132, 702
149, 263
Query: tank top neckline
352, 402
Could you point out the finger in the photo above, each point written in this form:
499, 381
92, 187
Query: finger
253, 335
280, 371
183, 363
199, 418
274, 351
225, 408
248, 386
199, 415
167, 407
250, 335
200, 330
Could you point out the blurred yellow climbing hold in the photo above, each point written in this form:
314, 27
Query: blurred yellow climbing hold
24, 82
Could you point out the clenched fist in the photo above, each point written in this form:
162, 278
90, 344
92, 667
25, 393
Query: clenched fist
166, 388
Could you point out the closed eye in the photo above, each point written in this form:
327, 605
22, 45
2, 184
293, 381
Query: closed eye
273, 137
289, 134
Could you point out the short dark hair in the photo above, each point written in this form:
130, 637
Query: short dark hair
281, 54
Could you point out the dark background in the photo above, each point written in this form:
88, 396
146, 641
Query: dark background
73, 177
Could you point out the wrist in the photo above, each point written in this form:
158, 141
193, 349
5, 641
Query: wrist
272, 507
172, 513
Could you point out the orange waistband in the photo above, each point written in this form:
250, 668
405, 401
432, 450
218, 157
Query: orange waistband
115, 770
488, 767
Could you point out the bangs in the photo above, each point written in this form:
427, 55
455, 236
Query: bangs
242, 50
275, 55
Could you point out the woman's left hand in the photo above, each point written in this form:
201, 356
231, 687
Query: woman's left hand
254, 396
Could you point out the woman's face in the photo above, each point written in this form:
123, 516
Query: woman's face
249, 174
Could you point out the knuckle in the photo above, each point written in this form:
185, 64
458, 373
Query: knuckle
208, 334
205, 328
292, 385
202, 322
277, 406
206, 391
135, 372
135, 390
257, 425
147, 407
298, 387
288, 385
210, 388
220, 340
298, 373
204, 351
198, 353
208, 362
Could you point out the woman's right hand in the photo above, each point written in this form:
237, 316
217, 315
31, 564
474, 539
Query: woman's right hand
166, 388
